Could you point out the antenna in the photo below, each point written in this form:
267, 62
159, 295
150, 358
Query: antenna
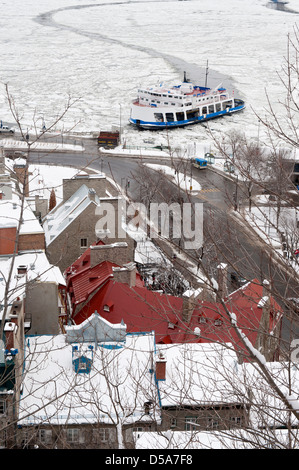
207, 72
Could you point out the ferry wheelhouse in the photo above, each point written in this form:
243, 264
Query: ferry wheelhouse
159, 107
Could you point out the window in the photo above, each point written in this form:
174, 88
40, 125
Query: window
218, 107
82, 364
189, 423
180, 116
173, 423
45, 436
104, 434
83, 243
213, 423
169, 117
138, 429
211, 108
72, 435
159, 117
236, 420
227, 104
2, 439
193, 114
2, 407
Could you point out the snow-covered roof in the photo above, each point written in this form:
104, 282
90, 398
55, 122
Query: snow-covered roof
10, 211
118, 385
61, 216
197, 374
286, 377
228, 439
38, 268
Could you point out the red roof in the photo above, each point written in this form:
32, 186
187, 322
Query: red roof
82, 262
144, 310
141, 309
88, 280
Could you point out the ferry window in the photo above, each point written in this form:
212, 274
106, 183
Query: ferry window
192, 114
180, 116
228, 104
159, 117
218, 107
211, 108
204, 110
169, 117
165, 102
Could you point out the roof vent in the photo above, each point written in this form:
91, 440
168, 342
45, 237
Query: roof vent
197, 331
22, 269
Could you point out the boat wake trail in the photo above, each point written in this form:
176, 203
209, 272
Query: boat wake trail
193, 70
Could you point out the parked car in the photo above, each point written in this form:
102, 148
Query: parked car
6, 130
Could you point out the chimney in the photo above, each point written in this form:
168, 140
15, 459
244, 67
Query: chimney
10, 329
115, 253
125, 274
222, 280
266, 288
22, 270
262, 341
21, 171
190, 301
161, 366
92, 194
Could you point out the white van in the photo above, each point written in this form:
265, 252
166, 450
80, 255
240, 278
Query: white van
6, 130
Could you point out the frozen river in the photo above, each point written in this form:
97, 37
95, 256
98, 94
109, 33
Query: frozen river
99, 53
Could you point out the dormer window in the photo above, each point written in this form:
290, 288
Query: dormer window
108, 306
82, 362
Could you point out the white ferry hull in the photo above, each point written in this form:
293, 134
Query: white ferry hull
144, 117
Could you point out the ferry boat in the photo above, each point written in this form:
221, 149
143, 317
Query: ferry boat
160, 107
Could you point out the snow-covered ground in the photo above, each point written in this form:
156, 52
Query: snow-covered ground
99, 53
